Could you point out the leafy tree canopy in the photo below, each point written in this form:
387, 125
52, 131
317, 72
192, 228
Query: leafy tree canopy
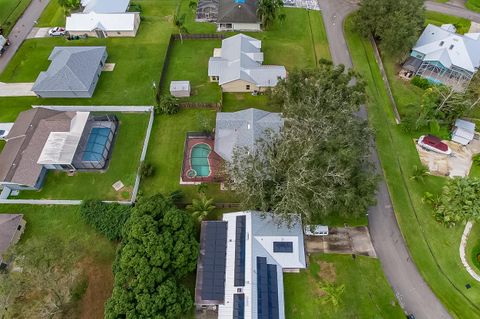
158, 250
396, 23
459, 201
318, 164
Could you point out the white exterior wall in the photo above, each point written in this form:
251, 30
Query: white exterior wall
252, 27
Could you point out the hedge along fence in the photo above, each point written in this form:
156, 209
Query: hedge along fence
166, 62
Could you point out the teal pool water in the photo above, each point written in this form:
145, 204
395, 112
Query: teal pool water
199, 159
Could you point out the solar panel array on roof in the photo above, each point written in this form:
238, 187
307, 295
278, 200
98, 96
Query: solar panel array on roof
283, 247
239, 276
215, 246
267, 290
238, 306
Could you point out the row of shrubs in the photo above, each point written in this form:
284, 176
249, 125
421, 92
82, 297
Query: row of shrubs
108, 219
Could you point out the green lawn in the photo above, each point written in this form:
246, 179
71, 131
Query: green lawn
52, 16
462, 24
434, 248
367, 293
94, 253
123, 166
473, 248
138, 60
189, 61
473, 5
10, 11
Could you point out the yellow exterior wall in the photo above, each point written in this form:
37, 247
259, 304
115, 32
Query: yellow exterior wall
239, 86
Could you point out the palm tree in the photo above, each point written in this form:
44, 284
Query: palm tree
201, 207
419, 172
267, 11
179, 23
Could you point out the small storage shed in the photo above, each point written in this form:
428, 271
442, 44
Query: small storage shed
463, 132
180, 88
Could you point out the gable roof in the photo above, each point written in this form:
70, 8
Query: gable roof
237, 11
241, 59
72, 69
105, 6
8, 228
449, 48
25, 142
243, 129
91, 21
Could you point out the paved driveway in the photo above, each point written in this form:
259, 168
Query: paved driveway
16, 89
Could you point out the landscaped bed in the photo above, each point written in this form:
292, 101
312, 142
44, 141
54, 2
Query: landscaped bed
434, 247
367, 293
125, 159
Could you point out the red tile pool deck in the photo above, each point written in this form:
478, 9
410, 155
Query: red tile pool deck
214, 160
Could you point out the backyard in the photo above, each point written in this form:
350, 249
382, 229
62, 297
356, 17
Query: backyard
434, 248
123, 166
473, 248
52, 224
10, 11
367, 293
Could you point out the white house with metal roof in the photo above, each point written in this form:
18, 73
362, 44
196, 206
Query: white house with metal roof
241, 264
237, 66
443, 56
243, 129
73, 73
104, 18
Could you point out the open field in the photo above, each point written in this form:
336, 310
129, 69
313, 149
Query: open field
123, 166
10, 11
63, 223
434, 248
367, 293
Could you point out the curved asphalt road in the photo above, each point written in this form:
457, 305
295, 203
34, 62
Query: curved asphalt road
412, 292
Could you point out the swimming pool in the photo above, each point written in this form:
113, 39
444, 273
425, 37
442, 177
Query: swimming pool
199, 159
96, 144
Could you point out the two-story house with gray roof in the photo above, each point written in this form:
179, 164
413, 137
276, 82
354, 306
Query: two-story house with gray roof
443, 56
73, 73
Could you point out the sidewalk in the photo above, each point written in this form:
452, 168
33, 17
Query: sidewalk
21, 30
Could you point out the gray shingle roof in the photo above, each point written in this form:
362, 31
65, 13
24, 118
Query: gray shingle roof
72, 69
8, 229
241, 59
243, 129
231, 11
25, 142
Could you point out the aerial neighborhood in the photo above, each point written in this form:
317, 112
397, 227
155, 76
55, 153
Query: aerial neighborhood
239, 159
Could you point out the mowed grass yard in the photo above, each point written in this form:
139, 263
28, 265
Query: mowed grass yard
138, 61
472, 251
125, 160
10, 11
367, 293
434, 248
189, 61
94, 254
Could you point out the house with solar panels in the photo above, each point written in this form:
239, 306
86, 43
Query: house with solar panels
443, 56
241, 264
42, 139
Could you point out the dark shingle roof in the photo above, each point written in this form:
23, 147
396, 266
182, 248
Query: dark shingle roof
8, 228
230, 11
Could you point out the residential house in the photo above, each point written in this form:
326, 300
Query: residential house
42, 139
11, 228
242, 129
241, 263
73, 73
237, 66
443, 56
238, 15
104, 18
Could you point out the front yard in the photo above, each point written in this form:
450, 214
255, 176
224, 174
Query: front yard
434, 248
367, 293
123, 166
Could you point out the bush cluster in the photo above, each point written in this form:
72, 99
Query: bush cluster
108, 219
421, 82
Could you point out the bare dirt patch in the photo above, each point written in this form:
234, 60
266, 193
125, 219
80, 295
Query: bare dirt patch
327, 271
100, 285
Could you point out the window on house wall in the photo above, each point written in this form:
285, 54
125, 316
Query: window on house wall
248, 87
19, 227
